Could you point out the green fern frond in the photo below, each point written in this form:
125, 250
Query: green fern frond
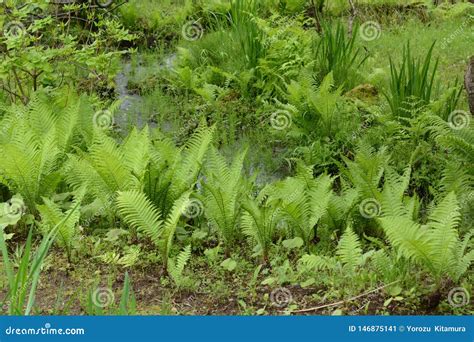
349, 250
408, 238
317, 262
135, 151
222, 188
366, 171
169, 228
79, 172
139, 212
175, 269
130, 257
108, 162
52, 216
192, 157
320, 195
259, 223
392, 195
443, 234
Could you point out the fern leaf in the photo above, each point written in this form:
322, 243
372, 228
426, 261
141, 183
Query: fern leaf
349, 249
172, 220
139, 212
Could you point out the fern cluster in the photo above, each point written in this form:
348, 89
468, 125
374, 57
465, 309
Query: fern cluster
436, 245
58, 162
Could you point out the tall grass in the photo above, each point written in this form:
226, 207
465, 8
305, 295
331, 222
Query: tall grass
22, 283
411, 83
336, 52
127, 304
246, 31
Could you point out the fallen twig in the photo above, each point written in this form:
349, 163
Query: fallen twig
345, 300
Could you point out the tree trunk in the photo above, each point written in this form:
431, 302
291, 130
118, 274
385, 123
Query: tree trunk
469, 84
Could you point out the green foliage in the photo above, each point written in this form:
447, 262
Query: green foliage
127, 305
129, 258
42, 52
52, 216
107, 167
349, 250
337, 53
351, 194
436, 244
173, 171
411, 83
319, 112
138, 212
302, 201
229, 264
176, 268
259, 222
246, 31
23, 281
223, 189
101, 300
36, 139
366, 170
296, 242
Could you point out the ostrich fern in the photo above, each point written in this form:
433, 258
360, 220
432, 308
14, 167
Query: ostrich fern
139, 212
223, 189
35, 140
173, 171
349, 250
303, 201
52, 216
435, 245
259, 222
176, 267
107, 167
